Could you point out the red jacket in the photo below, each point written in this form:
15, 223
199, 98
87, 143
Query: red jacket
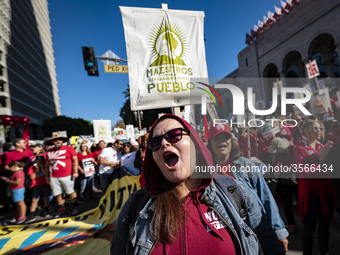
307, 156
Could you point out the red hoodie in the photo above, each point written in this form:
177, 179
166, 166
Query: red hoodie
203, 232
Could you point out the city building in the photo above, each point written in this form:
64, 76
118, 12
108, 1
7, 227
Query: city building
302, 32
28, 84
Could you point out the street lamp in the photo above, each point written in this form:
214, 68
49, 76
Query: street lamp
140, 116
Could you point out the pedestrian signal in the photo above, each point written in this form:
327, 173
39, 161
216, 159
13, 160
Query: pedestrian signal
90, 61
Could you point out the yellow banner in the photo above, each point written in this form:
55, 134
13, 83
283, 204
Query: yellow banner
88, 233
116, 69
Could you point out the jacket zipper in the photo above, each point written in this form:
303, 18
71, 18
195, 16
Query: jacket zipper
239, 243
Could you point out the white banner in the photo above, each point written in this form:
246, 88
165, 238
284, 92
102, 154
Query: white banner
102, 130
165, 50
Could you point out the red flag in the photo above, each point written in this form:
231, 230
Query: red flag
26, 136
206, 127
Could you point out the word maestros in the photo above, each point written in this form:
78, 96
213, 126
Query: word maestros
238, 108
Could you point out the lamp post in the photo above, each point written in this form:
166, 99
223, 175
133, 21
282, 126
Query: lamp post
140, 117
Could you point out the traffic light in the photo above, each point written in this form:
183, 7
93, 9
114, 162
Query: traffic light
90, 61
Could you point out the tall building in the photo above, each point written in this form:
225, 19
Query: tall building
28, 85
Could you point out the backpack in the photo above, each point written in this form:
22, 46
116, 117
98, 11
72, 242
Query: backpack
229, 186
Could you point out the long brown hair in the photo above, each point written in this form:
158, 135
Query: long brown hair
168, 215
87, 149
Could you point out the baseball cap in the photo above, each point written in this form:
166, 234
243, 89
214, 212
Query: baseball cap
216, 129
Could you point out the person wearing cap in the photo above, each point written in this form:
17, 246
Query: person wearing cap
226, 154
40, 187
62, 160
288, 184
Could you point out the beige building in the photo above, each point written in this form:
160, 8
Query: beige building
28, 84
310, 31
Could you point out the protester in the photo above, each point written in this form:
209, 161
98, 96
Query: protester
17, 188
316, 194
140, 156
40, 187
333, 159
98, 150
4, 197
226, 154
243, 142
85, 153
183, 206
288, 182
21, 153
60, 160
109, 160
128, 148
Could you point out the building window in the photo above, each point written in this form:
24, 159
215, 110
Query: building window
246, 62
2, 102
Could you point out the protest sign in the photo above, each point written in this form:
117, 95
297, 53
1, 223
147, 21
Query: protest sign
270, 128
322, 83
102, 130
89, 231
88, 167
325, 92
260, 105
129, 131
338, 95
318, 104
165, 50
278, 85
312, 69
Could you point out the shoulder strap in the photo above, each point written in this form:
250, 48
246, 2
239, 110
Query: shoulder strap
234, 193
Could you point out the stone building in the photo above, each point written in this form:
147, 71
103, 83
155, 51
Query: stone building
28, 85
309, 31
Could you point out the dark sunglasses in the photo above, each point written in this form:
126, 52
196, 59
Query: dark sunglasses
126, 145
172, 136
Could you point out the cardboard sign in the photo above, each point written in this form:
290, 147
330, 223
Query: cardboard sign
278, 85
325, 92
312, 69
88, 167
322, 83
318, 104
102, 130
270, 128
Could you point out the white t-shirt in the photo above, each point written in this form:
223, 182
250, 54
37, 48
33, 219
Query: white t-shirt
110, 155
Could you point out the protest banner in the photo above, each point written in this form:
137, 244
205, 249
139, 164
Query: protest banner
102, 130
88, 167
318, 104
90, 231
165, 50
270, 128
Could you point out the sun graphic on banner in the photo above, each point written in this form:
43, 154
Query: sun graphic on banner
168, 45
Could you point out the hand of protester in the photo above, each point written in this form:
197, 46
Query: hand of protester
75, 175
3, 178
48, 180
82, 171
284, 244
324, 151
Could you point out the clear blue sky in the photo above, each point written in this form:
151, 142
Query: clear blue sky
77, 23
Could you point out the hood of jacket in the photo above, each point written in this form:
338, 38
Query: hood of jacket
151, 170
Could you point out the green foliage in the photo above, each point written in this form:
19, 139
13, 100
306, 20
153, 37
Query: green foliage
73, 126
4, 130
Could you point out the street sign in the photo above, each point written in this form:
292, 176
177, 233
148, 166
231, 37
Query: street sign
312, 68
116, 69
110, 54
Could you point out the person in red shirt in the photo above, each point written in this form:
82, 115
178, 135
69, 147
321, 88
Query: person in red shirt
18, 190
140, 155
243, 142
60, 161
40, 187
85, 153
316, 195
21, 153
96, 153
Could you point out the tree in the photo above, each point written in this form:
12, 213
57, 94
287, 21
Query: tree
119, 124
73, 126
149, 116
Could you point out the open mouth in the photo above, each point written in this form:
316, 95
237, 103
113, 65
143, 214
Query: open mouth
222, 146
170, 159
